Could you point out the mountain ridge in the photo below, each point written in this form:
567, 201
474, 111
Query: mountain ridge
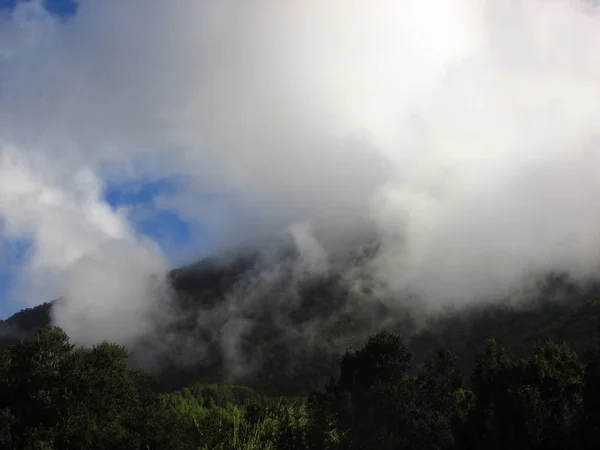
291, 330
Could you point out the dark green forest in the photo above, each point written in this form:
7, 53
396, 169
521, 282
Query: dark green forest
58, 396
524, 375
286, 361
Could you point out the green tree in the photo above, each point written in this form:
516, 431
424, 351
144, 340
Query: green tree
531, 403
377, 403
56, 396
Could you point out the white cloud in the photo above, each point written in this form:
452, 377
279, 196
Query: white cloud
82, 250
463, 132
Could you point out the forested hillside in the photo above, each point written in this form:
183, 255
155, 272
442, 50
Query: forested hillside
57, 396
497, 375
299, 329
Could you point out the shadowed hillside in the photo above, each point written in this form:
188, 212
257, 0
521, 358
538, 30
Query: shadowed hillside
282, 334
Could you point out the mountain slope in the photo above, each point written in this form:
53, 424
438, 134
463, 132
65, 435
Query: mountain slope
281, 334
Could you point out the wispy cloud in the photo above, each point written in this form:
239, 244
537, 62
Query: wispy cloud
462, 134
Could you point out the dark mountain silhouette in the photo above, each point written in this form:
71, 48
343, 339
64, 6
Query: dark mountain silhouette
292, 325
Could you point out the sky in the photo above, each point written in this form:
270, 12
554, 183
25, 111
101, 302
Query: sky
61, 8
14, 251
164, 226
136, 136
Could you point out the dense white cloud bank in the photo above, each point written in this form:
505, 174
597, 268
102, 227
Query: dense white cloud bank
462, 133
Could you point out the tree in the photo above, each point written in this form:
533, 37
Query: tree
56, 396
590, 429
376, 403
531, 403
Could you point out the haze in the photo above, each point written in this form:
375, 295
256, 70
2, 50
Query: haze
462, 135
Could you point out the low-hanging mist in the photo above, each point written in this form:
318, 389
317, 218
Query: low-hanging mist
460, 137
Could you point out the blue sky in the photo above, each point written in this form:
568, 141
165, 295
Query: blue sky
165, 227
62, 8
13, 256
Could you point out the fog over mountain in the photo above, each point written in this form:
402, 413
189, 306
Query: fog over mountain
456, 140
